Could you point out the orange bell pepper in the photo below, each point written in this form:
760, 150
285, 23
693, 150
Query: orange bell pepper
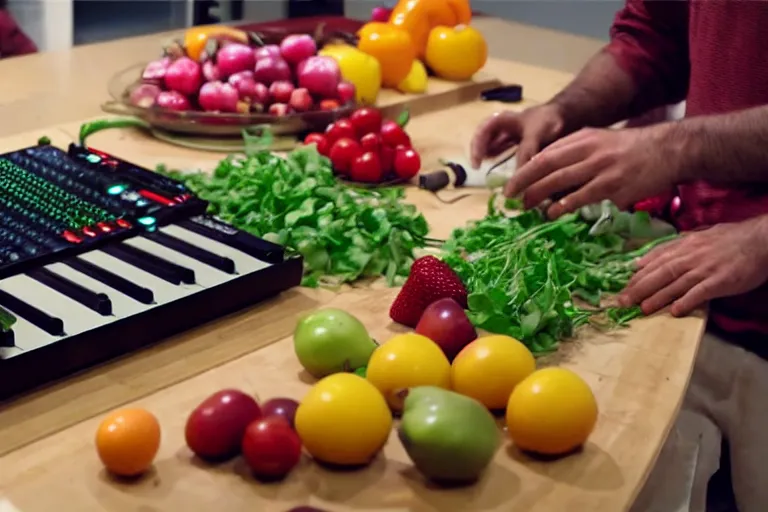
391, 46
419, 17
196, 38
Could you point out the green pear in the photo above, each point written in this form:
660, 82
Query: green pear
331, 341
450, 438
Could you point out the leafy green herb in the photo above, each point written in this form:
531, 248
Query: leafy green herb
7, 320
526, 275
343, 233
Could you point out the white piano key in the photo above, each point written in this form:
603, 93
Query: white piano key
27, 336
244, 263
122, 305
164, 291
77, 318
205, 275
9, 352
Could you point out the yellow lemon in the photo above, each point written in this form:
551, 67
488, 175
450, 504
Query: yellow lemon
407, 361
343, 420
417, 80
489, 368
552, 412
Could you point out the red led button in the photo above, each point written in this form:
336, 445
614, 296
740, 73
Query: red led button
71, 237
89, 232
156, 198
104, 227
124, 223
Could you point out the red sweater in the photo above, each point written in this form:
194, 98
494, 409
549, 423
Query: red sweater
712, 53
13, 41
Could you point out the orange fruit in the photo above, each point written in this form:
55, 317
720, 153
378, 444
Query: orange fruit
127, 441
552, 412
489, 368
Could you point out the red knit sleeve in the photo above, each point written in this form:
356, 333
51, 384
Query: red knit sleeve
13, 41
649, 40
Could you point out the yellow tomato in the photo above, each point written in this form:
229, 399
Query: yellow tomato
392, 47
343, 420
359, 68
489, 368
552, 412
456, 53
406, 361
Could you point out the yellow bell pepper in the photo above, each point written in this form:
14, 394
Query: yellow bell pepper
416, 81
455, 53
419, 17
357, 67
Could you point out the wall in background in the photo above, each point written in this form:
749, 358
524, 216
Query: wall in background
45, 22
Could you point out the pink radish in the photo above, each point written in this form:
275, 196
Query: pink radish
301, 100
345, 92
270, 50
235, 57
280, 92
279, 109
252, 92
297, 47
271, 69
241, 75
173, 100
155, 71
184, 75
211, 71
219, 97
320, 75
144, 95
380, 14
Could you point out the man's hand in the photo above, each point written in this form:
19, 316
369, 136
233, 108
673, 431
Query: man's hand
726, 260
624, 166
531, 130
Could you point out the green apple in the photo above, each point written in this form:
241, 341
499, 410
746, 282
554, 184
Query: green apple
450, 438
330, 341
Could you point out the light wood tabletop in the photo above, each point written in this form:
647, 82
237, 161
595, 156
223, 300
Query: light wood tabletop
48, 461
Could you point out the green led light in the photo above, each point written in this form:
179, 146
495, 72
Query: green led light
115, 190
147, 221
94, 159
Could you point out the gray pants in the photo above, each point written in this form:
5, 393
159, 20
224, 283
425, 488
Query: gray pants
727, 396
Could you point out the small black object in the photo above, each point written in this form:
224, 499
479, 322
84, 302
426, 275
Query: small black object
505, 94
434, 181
459, 173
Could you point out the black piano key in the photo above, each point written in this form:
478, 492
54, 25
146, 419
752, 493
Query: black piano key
98, 302
165, 270
226, 234
7, 338
186, 248
52, 325
122, 285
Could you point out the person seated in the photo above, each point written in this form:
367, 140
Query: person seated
13, 40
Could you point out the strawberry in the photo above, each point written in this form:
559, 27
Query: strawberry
429, 280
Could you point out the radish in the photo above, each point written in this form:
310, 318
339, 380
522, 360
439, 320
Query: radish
155, 71
270, 50
298, 47
271, 69
183, 75
235, 57
173, 100
241, 75
301, 100
144, 95
211, 71
252, 92
381, 14
279, 109
345, 92
320, 75
280, 92
219, 97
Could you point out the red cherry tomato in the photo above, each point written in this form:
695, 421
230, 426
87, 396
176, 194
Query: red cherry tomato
339, 130
367, 168
366, 120
387, 157
343, 153
271, 448
393, 135
407, 163
371, 142
318, 139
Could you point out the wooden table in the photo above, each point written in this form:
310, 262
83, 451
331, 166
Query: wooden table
49, 463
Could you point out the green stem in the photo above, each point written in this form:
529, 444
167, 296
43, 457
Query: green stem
89, 128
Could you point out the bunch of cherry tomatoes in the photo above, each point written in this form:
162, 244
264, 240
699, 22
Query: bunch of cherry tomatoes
367, 148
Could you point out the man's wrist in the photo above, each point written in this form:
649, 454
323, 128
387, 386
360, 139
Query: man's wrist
679, 148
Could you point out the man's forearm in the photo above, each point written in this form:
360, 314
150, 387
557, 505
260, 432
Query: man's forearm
727, 148
600, 95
